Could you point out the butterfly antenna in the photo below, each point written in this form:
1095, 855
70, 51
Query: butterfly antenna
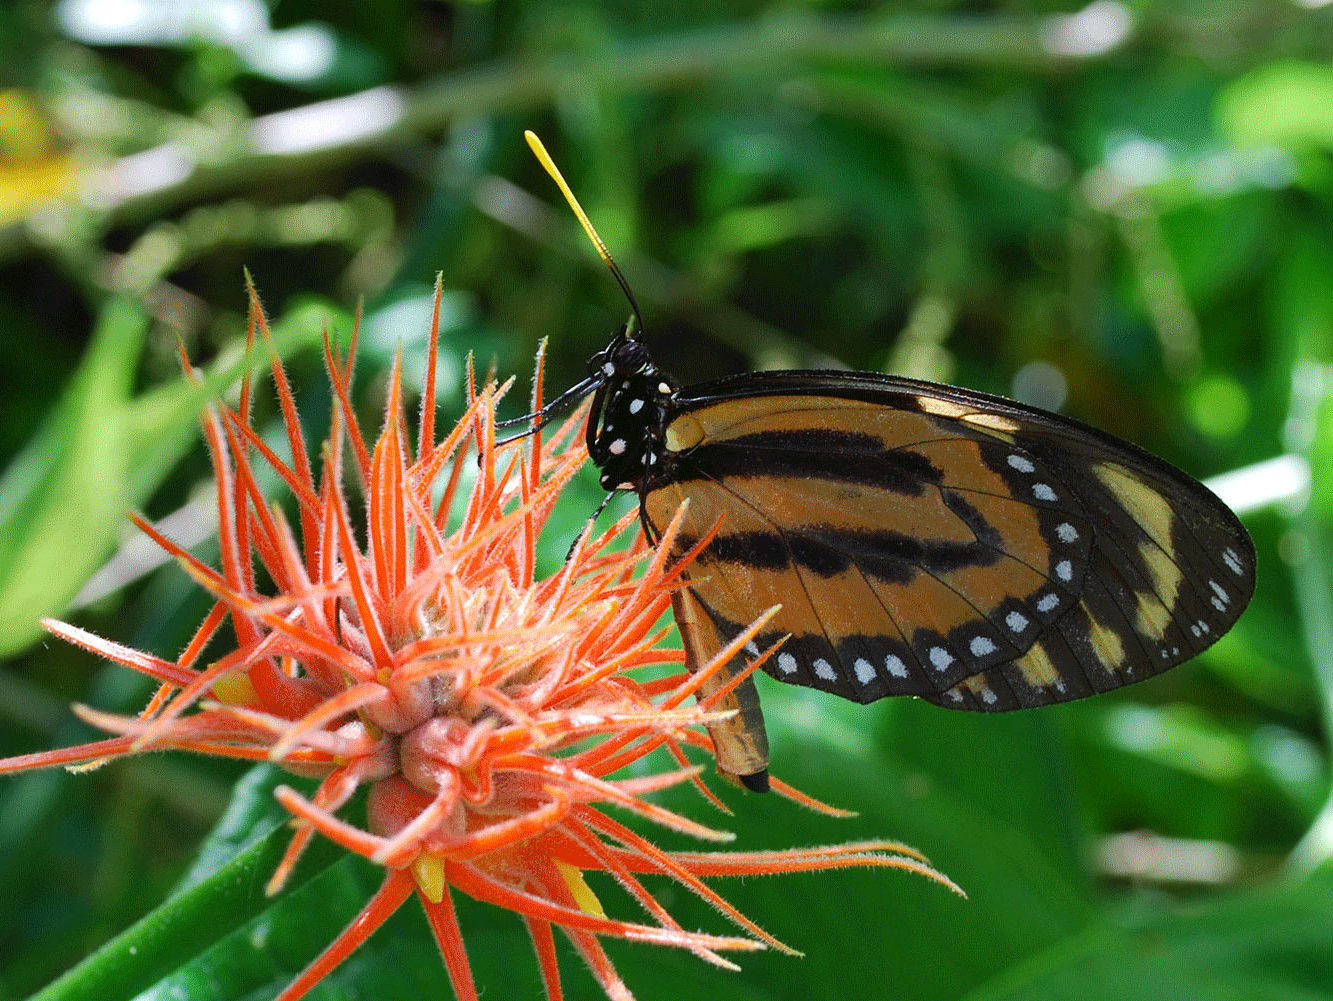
544, 158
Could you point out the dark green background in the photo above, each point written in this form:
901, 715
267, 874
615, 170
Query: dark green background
1134, 206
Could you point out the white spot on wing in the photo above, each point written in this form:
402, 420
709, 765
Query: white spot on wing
865, 671
1048, 603
1232, 561
752, 648
1043, 492
895, 666
1219, 590
1066, 532
1021, 463
1016, 621
989, 697
981, 645
1064, 570
786, 663
617, 447
941, 658
823, 669
635, 406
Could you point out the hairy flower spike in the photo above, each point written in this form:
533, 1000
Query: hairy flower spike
489, 712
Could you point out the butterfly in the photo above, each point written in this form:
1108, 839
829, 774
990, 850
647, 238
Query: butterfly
921, 539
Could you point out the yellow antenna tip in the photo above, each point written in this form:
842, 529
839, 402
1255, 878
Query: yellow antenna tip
536, 145
544, 158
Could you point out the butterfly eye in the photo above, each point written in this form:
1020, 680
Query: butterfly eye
630, 357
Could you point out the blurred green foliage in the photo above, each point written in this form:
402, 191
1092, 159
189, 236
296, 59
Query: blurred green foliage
1124, 211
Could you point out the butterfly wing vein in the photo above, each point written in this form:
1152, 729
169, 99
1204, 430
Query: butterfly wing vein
952, 546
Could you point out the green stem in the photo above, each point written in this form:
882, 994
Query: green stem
284, 143
184, 926
1310, 385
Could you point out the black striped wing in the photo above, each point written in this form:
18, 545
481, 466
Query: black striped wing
924, 540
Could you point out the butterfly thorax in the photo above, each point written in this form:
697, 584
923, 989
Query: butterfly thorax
625, 436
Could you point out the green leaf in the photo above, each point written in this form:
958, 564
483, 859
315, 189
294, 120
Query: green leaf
217, 899
100, 451
1274, 944
63, 499
252, 815
986, 798
256, 954
1287, 103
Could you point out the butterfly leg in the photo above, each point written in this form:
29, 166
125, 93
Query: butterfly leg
588, 525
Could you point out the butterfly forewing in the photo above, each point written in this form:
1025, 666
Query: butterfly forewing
936, 542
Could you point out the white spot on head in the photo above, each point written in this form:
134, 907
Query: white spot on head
786, 663
895, 666
635, 406
1048, 603
941, 658
1043, 492
1064, 570
1066, 532
617, 447
1232, 561
823, 669
989, 697
865, 671
1021, 463
1016, 621
982, 645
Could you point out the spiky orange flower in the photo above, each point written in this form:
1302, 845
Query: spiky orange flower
487, 711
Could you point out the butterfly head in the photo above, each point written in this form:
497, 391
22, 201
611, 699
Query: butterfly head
625, 357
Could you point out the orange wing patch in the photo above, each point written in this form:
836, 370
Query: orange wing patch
949, 552
909, 565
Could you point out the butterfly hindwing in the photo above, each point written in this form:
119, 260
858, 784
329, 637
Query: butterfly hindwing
1172, 570
942, 543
